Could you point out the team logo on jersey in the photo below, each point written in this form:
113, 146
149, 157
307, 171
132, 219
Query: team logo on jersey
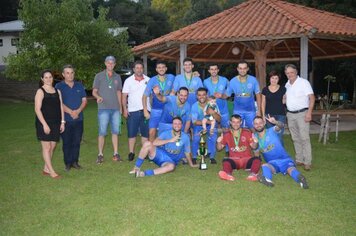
249, 86
243, 139
221, 87
238, 149
268, 148
169, 83
172, 151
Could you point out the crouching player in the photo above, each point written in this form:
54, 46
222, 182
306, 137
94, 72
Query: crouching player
166, 151
276, 157
239, 142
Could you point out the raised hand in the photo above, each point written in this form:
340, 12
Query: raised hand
271, 119
156, 90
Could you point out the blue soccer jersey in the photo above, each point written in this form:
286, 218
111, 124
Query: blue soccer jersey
165, 89
270, 146
192, 85
220, 87
244, 100
177, 149
172, 109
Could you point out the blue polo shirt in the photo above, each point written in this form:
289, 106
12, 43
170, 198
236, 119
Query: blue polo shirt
72, 97
165, 89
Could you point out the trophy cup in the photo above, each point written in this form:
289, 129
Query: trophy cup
202, 152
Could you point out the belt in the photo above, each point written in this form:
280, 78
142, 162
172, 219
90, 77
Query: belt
297, 111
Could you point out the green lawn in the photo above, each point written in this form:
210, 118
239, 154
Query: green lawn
106, 200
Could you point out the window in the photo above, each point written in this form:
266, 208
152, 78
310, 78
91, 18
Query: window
1, 43
14, 41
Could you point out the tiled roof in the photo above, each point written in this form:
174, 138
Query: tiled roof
259, 20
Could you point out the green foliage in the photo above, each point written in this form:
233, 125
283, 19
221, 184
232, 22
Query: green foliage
65, 32
201, 9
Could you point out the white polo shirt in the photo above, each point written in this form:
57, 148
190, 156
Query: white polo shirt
298, 94
135, 90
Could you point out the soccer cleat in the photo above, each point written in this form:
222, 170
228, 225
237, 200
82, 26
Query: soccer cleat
134, 170
116, 157
194, 161
265, 181
131, 156
303, 182
225, 176
100, 159
252, 177
213, 161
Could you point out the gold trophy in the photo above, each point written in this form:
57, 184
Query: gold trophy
202, 152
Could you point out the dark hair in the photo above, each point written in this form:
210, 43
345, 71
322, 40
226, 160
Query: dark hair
212, 97
183, 88
290, 66
273, 73
161, 62
187, 59
138, 62
213, 64
243, 62
67, 66
40, 84
202, 89
257, 117
236, 116
177, 118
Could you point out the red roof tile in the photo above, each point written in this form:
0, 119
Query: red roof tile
260, 20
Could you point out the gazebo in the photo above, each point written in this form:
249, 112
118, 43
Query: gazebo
258, 31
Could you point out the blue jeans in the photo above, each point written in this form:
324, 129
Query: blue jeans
71, 137
106, 116
282, 119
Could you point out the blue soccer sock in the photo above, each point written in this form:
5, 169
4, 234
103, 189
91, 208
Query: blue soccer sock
295, 175
139, 162
149, 173
266, 172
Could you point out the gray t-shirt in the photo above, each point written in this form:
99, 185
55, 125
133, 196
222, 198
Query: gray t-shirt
107, 89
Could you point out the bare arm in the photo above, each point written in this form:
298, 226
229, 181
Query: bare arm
159, 142
119, 95
144, 105
258, 100
62, 127
187, 126
263, 106
98, 98
189, 159
219, 145
308, 115
124, 105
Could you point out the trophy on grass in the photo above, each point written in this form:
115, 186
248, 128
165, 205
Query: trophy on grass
202, 152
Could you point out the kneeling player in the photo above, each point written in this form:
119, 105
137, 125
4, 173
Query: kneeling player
166, 151
276, 157
239, 142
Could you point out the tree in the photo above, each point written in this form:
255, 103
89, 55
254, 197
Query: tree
64, 32
201, 9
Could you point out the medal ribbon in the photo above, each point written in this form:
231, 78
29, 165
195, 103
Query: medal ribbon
108, 80
215, 88
162, 85
190, 80
237, 139
261, 141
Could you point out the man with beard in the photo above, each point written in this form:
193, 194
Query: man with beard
246, 88
276, 157
197, 117
175, 106
166, 151
164, 82
239, 141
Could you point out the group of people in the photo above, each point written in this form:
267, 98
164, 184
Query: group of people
171, 113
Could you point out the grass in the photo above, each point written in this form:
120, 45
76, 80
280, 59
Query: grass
106, 200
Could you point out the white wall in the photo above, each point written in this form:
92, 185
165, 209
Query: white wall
6, 47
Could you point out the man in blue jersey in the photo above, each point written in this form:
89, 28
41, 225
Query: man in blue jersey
246, 88
197, 113
164, 82
277, 159
166, 151
217, 86
188, 80
175, 106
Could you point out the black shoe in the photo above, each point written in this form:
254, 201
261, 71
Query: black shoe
303, 182
131, 156
265, 181
100, 159
76, 165
194, 161
67, 167
213, 161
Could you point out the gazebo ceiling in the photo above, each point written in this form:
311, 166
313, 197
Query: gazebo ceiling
227, 36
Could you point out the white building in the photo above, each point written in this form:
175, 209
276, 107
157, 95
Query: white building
9, 38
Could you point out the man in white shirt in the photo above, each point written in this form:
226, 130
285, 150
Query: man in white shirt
300, 102
132, 93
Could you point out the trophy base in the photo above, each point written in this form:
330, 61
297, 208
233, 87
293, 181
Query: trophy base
203, 166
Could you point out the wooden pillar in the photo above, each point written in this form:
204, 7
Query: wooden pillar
304, 57
182, 55
144, 59
260, 64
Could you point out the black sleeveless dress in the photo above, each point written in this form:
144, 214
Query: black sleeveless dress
51, 110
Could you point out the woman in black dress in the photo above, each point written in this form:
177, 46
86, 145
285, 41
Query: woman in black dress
49, 120
273, 101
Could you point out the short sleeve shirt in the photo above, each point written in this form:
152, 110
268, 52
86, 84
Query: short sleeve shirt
274, 104
243, 149
175, 150
165, 89
135, 90
298, 94
192, 85
220, 87
107, 89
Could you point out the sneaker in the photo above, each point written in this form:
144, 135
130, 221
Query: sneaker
67, 167
252, 177
131, 156
100, 159
134, 170
225, 176
116, 157
76, 165
194, 160
265, 181
303, 182
213, 161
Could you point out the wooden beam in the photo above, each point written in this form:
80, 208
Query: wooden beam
319, 48
346, 45
216, 50
201, 50
228, 51
289, 50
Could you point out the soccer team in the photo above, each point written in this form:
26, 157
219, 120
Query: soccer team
170, 113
